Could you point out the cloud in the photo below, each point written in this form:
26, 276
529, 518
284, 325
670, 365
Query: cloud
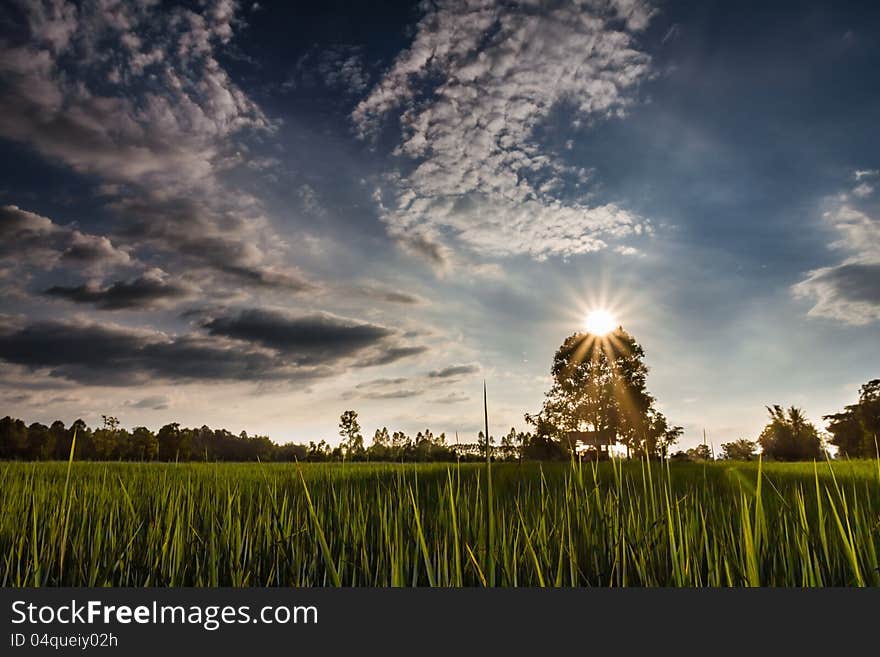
153, 289
451, 398
469, 93
250, 345
393, 394
454, 371
31, 240
313, 339
153, 402
863, 190
386, 388
339, 67
378, 383
850, 291
111, 354
133, 95
234, 242
392, 354
391, 296
162, 108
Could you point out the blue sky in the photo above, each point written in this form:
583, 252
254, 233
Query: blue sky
258, 215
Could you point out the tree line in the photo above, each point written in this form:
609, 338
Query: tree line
789, 436
112, 442
598, 392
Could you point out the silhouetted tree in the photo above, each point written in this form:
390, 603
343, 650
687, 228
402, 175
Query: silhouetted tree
599, 386
856, 431
61, 438
144, 444
699, 453
169, 439
105, 440
13, 439
740, 450
350, 430
789, 436
40, 442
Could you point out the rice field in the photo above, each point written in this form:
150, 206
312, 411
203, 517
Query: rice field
511, 524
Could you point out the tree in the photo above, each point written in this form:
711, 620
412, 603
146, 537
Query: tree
169, 439
144, 444
599, 386
856, 431
61, 438
84, 448
105, 440
699, 453
41, 442
350, 430
381, 438
789, 436
13, 438
510, 445
739, 450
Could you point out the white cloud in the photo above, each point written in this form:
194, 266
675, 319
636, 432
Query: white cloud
850, 291
475, 83
133, 94
863, 190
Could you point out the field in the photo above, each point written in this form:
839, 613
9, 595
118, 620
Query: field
551, 524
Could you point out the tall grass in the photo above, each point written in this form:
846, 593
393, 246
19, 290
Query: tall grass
613, 524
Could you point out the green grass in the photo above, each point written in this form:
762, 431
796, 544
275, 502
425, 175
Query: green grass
618, 524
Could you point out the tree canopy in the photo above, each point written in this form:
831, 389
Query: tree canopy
789, 436
599, 385
856, 430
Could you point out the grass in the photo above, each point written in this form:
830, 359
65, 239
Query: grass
615, 524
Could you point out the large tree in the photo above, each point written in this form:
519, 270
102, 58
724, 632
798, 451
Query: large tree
789, 436
856, 431
599, 386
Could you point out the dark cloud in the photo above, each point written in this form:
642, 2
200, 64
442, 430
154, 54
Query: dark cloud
150, 290
306, 338
339, 67
391, 355
221, 240
850, 291
153, 402
378, 383
31, 240
453, 371
313, 339
252, 345
855, 282
391, 296
111, 354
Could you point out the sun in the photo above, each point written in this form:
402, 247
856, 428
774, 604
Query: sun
600, 322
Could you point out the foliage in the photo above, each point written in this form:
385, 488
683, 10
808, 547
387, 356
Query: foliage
699, 453
740, 450
789, 436
856, 431
599, 386
352, 438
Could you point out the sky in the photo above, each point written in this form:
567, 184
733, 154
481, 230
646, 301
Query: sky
257, 215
